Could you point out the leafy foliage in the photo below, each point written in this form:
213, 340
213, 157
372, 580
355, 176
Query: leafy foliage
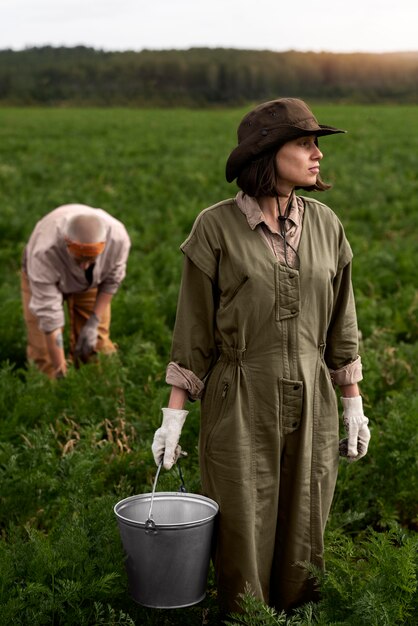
373, 581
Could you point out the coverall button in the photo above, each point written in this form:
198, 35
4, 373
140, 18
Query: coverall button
293, 311
296, 387
292, 275
294, 425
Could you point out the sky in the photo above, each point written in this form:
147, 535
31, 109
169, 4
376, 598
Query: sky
305, 25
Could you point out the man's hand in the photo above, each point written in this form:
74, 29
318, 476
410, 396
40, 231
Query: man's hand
55, 345
87, 339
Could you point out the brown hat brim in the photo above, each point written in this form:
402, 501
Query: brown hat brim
259, 142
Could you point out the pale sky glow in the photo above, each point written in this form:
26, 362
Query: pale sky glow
307, 25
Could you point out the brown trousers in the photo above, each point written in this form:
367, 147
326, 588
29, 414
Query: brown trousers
80, 307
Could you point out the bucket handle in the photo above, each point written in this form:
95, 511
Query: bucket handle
150, 524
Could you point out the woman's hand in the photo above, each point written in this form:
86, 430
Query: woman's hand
165, 445
358, 433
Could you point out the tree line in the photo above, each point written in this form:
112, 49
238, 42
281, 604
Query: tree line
201, 76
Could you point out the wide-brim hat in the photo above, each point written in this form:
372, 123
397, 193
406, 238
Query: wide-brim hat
272, 124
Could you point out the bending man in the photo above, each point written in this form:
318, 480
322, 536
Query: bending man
76, 254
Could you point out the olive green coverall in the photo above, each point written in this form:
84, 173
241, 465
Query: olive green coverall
262, 337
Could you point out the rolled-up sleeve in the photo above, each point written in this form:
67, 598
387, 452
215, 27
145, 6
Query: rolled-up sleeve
349, 374
185, 379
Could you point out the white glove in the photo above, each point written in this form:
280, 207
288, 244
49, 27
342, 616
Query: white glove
87, 339
166, 438
355, 423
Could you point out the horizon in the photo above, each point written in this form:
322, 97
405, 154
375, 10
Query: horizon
200, 47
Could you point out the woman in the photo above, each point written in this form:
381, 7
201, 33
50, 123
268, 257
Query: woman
265, 327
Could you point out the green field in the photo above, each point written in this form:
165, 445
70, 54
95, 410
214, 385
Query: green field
69, 450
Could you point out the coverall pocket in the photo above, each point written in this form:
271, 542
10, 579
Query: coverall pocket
225, 302
218, 411
214, 401
291, 404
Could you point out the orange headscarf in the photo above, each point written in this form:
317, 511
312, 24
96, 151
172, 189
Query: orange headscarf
87, 250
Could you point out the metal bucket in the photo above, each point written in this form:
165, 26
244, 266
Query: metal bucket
167, 538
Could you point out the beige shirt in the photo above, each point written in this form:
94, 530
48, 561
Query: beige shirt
53, 273
351, 372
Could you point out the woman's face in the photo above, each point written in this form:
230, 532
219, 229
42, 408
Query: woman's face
297, 163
